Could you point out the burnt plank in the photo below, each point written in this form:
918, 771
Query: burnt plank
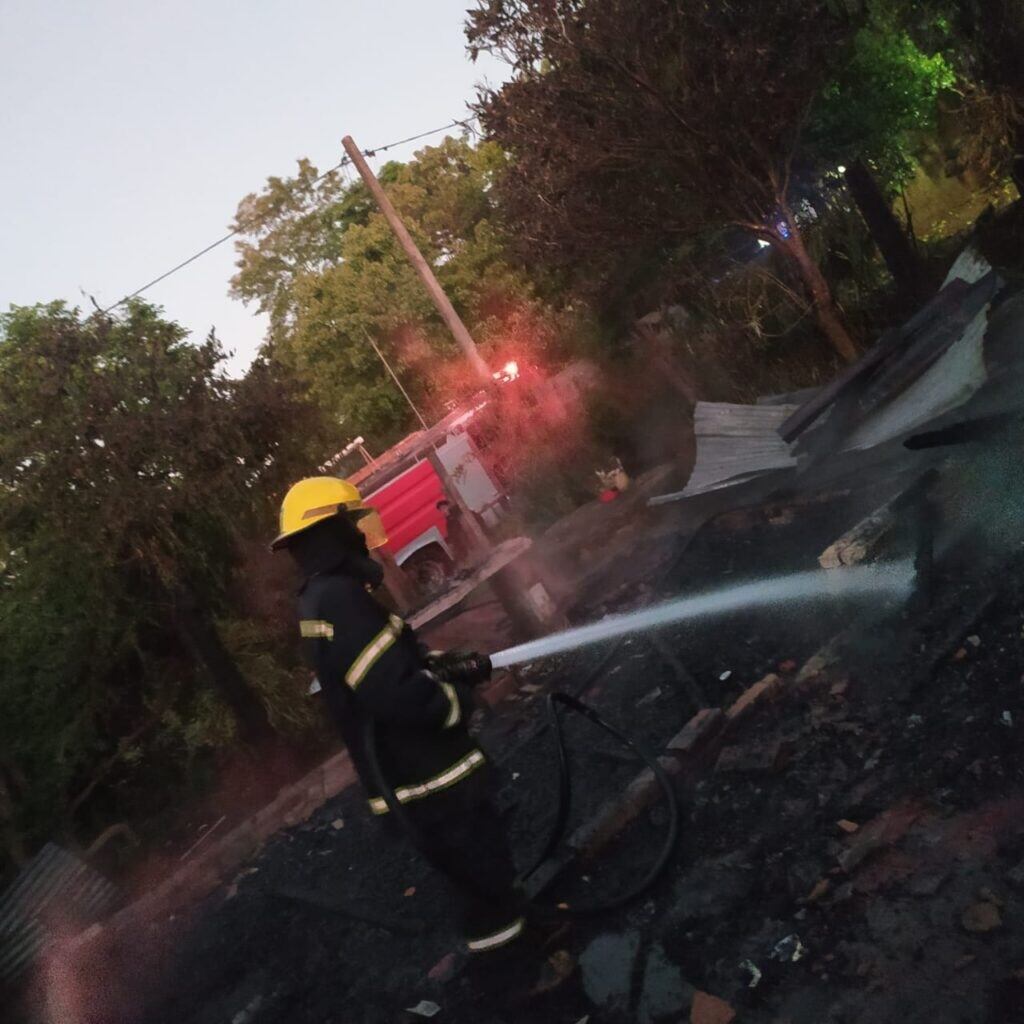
931, 343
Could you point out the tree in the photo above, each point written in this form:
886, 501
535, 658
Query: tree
634, 124
291, 230
129, 463
880, 98
323, 262
990, 41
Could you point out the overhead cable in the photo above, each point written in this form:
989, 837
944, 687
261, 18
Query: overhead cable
239, 230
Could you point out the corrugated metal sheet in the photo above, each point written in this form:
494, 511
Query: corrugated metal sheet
56, 888
734, 443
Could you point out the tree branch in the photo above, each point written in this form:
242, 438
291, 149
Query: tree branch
150, 723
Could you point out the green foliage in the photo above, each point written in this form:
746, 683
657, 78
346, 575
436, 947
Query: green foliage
988, 41
281, 687
553, 485
882, 95
129, 463
324, 263
292, 228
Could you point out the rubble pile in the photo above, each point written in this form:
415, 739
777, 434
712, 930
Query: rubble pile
874, 871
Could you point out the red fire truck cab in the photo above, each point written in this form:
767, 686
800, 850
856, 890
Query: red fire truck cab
404, 487
412, 507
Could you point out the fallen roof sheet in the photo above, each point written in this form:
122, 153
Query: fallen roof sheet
914, 375
949, 382
734, 443
955, 376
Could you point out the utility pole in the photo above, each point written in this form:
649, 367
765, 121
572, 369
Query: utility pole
419, 264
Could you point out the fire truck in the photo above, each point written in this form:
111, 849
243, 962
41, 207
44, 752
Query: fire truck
426, 534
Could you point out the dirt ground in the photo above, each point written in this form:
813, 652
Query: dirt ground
857, 855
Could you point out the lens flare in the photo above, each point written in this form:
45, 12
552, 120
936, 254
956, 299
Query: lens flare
509, 372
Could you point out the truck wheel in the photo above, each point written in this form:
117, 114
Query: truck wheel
429, 571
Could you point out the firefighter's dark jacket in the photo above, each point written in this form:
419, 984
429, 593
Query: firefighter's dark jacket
370, 665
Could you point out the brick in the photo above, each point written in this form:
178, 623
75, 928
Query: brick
615, 814
314, 786
300, 811
764, 690
83, 939
698, 732
444, 969
187, 884
201, 884
887, 828
708, 1009
812, 668
981, 917
286, 796
205, 863
267, 820
289, 807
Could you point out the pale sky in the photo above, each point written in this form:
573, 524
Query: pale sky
131, 129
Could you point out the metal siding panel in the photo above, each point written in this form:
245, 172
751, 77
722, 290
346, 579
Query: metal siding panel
54, 878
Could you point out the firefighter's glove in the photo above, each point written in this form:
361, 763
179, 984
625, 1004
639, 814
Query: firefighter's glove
468, 668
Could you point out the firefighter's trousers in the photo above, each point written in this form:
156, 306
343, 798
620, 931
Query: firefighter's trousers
467, 842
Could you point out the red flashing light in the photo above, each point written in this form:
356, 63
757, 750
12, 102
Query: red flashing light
509, 372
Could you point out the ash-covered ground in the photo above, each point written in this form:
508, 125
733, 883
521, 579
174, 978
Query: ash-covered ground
855, 855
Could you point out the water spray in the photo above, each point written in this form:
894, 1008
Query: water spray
892, 579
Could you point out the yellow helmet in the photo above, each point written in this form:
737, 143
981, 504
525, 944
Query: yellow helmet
317, 498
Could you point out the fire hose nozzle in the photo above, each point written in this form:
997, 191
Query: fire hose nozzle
470, 668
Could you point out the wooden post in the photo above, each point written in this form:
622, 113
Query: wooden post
515, 583
419, 264
510, 585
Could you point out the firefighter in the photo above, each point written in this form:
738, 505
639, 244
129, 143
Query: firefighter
373, 673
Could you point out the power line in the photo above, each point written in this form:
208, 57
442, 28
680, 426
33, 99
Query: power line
202, 252
237, 231
173, 270
412, 138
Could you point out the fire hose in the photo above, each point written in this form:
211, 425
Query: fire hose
557, 831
